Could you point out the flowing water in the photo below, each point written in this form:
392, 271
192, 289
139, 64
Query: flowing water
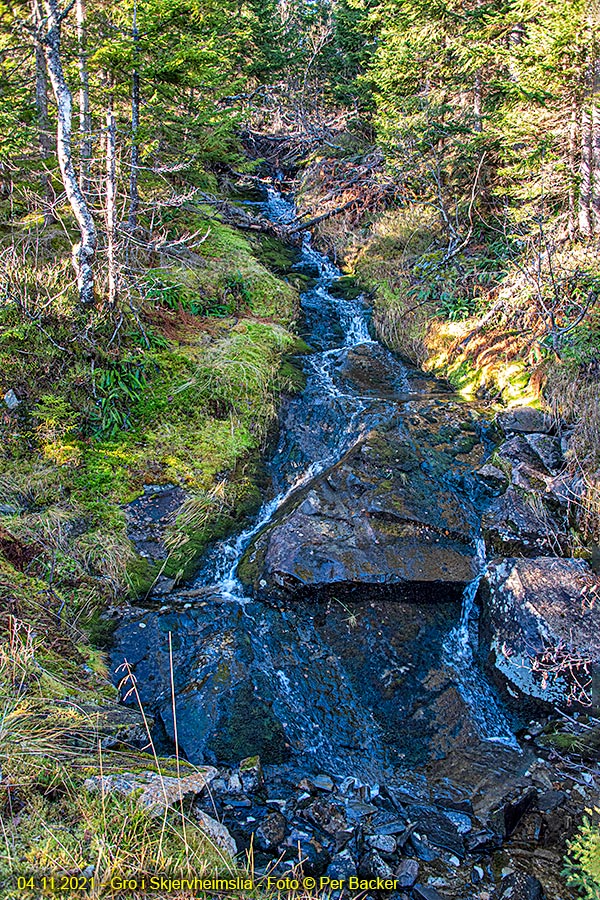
373, 686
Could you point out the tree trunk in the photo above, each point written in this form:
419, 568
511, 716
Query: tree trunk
134, 197
585, 172
83, 252
595, 143
516, 38
111, 205
41, 105
85, 118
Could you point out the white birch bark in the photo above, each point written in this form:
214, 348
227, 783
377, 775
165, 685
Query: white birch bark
595, 143
594, 85
111, 205
43, 121
84, 251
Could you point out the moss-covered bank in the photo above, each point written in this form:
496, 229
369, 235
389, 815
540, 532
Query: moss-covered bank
179, 386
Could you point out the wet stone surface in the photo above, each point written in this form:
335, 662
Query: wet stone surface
344, 637
148, 516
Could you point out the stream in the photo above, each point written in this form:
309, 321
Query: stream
371, 682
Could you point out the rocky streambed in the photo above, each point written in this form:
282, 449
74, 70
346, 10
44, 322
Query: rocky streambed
387, 637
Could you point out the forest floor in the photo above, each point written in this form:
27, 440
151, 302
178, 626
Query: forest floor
182, 387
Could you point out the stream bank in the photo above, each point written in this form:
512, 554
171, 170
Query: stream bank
338, 637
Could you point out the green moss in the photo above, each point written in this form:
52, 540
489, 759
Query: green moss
585, 745
100, 631
347, 287
275, 255
250, 729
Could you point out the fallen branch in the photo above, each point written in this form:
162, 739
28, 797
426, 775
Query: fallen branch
326, 215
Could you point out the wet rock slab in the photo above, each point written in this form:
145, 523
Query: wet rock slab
396, 510
537, 616
353, 684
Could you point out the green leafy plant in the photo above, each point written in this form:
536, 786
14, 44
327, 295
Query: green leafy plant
454, 307
582, 865
117, 388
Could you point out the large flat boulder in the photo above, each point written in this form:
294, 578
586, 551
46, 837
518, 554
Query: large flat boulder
525, 420
393, 511
540, 626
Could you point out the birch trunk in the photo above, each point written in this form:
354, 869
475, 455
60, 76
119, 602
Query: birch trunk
595, 194
111, 205
595, 144
83, 252
134, 197
85, 118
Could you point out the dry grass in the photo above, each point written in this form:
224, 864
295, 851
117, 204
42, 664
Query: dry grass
50, 822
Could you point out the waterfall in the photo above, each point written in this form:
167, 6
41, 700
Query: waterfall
488, 716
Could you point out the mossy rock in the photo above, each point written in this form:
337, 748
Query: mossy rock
249, 728
347, 287
585, 745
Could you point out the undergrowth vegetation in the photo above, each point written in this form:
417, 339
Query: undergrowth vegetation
178, 388
183, 392
51, 740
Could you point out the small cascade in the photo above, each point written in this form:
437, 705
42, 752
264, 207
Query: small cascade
222, 562
323, 407
345, 682
474, 688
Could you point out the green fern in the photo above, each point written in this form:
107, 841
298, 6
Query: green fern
582, 865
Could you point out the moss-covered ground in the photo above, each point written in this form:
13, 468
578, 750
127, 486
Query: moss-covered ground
180, 385
512, 321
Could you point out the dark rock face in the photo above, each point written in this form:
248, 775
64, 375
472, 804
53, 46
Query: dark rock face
519, 886
407, 873
518, 523
526, 420
149, 515
427, 892
540, 611
492, 478
529, 518
390, 513
439, 830
548, 449
271, 832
